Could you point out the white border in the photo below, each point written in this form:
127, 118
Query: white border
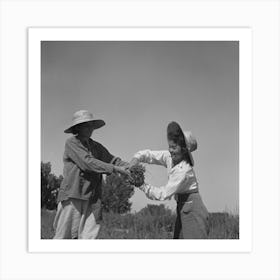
243, 35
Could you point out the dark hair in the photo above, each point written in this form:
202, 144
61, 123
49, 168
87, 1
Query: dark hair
179, 139
186, 155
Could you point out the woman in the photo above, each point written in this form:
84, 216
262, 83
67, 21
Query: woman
79, 197
192, 215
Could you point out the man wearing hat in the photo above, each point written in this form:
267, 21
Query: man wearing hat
192, 215
79, 197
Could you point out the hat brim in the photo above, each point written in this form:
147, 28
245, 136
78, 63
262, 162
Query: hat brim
175, 128
95, 123
191, 157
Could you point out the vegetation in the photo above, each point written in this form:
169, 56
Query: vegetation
116, 193
137, 172
152, 222
49, 187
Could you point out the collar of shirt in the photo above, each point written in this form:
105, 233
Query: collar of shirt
181, 165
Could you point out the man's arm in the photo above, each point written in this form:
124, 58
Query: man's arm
119, 162
85, 161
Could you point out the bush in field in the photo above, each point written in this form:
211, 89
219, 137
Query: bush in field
155, 210
155, 219
49, 187
116, 193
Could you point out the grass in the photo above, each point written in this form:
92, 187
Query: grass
143, 225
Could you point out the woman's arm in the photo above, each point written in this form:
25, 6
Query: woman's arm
151, 157
177, 183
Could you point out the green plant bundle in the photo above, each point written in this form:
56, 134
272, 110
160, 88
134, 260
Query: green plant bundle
137, 172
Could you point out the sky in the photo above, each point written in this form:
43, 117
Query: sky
137, 88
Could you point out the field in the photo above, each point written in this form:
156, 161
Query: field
148, 225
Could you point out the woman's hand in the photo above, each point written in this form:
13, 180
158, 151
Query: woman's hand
133, 162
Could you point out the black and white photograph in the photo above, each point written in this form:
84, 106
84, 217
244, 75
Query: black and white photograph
139, 139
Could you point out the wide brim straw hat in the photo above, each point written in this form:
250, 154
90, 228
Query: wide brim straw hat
84, 116
174, 129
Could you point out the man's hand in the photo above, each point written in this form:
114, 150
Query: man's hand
120, 162
122, 170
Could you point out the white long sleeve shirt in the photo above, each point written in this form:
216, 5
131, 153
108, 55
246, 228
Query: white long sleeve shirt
181, 177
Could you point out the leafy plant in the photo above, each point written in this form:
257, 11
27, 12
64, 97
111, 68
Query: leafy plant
116, 193
137, 172
49, 187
